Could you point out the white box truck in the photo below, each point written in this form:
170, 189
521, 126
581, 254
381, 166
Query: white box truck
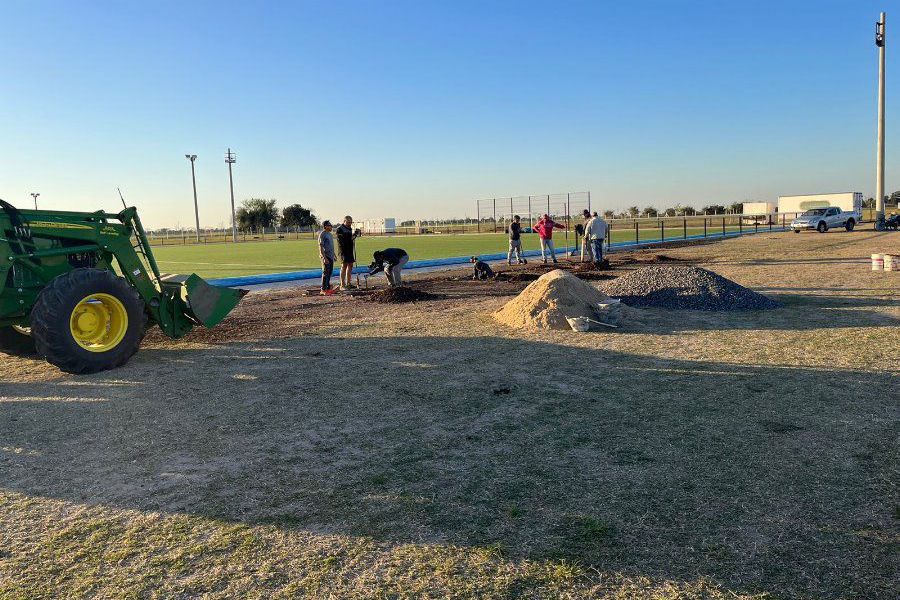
847, 201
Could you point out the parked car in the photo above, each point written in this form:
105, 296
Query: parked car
823, 219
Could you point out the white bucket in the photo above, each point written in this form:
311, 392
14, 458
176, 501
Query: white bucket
890, 263
579, 323
878, 262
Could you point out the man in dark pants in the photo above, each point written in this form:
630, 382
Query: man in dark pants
481, 270
326, 253
391, 261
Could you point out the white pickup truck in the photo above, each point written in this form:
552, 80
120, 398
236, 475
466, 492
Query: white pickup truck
823, 219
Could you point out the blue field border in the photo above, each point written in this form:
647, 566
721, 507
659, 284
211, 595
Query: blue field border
461, 260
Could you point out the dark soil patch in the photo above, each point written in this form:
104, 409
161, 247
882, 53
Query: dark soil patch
517, 277
398, 295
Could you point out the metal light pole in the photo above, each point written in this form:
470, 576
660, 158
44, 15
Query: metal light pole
35, 196
230, 160
879, 153
192, 158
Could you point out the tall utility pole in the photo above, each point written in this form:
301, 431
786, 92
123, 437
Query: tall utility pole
230, 160
192, 158
35, 196
879, 153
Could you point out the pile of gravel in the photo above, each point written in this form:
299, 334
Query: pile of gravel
397, 295
687, 288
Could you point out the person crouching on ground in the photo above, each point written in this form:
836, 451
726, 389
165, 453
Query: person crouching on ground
481, 270
544, 228
346, 238
326, 253
595, 232
391, 261
515, 242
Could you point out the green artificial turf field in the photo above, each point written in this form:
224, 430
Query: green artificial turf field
248, 258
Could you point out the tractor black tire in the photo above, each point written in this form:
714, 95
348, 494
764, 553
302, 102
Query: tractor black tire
796, 231
15, 342
822, 227
52, 330
850, 224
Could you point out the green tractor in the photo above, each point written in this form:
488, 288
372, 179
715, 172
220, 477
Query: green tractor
80, 289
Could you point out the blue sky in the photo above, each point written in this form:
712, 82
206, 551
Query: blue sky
415, 109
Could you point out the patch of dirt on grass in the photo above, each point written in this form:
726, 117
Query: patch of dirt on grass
398, 295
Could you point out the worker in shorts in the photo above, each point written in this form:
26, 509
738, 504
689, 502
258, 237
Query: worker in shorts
326, 254
481, 270
391, 261
515, 241
346, 238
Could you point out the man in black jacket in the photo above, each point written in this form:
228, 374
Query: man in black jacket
346, 249
515, 242
391, 261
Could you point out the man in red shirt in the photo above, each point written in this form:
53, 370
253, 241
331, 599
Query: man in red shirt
544, 229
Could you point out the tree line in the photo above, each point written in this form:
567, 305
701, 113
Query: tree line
261, 213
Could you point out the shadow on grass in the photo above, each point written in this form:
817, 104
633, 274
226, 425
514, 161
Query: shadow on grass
764, 479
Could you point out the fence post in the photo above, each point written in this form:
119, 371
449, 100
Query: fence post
662, 230
740, 226
723, 227
685, 228
704, 227
755, 226
494, 229
637, 235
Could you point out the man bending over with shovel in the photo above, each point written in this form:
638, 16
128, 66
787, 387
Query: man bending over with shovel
391, 261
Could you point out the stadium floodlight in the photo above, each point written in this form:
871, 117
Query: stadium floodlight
192, 158
35, 196
879, 152
230, 159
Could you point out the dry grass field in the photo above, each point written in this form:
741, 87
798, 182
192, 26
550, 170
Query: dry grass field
335, 448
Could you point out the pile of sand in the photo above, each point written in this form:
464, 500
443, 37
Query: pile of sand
546, 303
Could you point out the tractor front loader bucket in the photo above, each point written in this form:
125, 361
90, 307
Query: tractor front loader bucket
209, 304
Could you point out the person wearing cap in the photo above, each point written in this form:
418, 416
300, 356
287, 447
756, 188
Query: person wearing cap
326, 253
391, 261
544, 228
481, 270
595, 232
346, 242
586, 249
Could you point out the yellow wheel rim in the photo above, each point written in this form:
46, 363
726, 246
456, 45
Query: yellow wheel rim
99, 322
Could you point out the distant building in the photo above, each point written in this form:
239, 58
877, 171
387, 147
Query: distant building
846, 201
759, 212
383, 225
759, 208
